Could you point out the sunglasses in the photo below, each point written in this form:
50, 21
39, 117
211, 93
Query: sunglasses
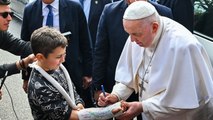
5, 14
4, 2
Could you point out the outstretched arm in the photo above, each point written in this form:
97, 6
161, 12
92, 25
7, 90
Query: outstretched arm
15, 67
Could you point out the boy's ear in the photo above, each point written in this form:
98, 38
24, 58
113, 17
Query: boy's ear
39, 56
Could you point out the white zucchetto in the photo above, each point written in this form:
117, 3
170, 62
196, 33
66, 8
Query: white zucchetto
139, 10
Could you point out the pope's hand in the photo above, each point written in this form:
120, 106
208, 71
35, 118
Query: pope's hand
107, 100
132, 109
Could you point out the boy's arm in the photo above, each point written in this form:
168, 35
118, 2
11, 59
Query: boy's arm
78, 99
0, 94
101, 113
74, 115
97, 113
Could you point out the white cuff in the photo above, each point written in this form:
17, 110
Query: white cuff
122, 91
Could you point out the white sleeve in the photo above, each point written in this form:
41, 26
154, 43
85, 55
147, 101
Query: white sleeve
122, 91
152, 109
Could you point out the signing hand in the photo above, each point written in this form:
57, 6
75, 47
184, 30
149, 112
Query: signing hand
107, 100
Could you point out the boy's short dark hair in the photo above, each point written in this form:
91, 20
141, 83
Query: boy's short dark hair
4, 2
44, 40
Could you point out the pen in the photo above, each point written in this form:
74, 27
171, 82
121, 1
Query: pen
102, 88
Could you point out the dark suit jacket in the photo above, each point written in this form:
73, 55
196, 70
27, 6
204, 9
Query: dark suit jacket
96, 9
15, 46
71, 18
182, 10
11, 68
111, 38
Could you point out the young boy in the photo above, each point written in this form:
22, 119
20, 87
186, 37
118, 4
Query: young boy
50, 91
46, 102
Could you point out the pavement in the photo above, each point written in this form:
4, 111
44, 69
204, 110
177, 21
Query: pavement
14, 85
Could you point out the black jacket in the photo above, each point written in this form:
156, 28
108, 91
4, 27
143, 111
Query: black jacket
11, 68
182, 10
15, 46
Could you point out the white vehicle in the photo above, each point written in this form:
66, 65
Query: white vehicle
203, 25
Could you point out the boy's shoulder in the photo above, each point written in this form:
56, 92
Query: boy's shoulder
36, 76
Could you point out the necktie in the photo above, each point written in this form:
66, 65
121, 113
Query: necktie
49, 21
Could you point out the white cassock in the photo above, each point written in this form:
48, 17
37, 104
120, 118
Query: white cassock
178, 83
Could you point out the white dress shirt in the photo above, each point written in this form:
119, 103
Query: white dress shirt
55, 9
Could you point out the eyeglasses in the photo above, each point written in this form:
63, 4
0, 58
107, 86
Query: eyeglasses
5, 14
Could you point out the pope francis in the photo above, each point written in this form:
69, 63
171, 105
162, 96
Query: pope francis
166, 65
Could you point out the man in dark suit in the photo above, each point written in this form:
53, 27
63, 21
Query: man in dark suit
96, 8
93, 10
67, 16
182, 10
111, 38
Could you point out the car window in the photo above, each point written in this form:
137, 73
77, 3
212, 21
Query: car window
203, 17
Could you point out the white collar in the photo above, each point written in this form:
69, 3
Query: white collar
54, 4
